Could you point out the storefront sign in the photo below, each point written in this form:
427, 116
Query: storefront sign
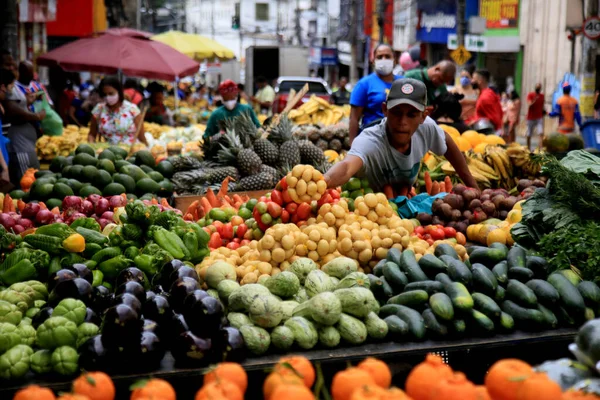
437, 21
500, 14
323, 56
476, 43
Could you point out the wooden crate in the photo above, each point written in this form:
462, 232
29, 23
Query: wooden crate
183, 202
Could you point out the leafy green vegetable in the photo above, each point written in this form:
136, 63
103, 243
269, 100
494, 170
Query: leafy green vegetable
583, 162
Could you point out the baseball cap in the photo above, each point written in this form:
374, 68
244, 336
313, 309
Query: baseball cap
407, 91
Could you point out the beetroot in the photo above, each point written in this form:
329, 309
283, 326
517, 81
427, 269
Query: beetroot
30, 210
44, 217
103, 222
107, 215
475, 203
488, 207
75, 216
455, 201
102, 206
470, 194
18, 229
456, 215
459, 189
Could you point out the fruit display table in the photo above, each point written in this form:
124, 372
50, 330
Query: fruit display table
182, 202
544, 344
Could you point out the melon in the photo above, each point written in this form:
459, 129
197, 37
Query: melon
575, 142
556, 143
284, 284
266, 312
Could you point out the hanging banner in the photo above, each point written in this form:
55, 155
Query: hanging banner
500, 14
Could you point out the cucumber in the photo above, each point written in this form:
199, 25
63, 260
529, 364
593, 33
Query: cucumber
432, 265
460, 296
507, 322
459, 327
443, 278
430, 287
378, 268
516, 257
499, 246
414, 320
571, 276
388, 309
482, 322
413, 298
564, 317
446, 259
387, 289
396, 278
471, 249
410, 266
433, 326
500, 271
397, 328
538, 265
393, 255
521, 294
459, 272
500, 294
444, 249
441, 305
484, 280
590, 293
589, 314
488, 256
376, 286
468, 263
549, 317
524, 317
486, 305
545, 292
521, 274
570, 298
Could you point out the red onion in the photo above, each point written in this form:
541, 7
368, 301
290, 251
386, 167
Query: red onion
107, 215
102, 205
117, 201
7, 221
103, 222
59, 220
75, 216
44, 217
18, 229
94, 198
30, 210
87, 207
72, 204
26, 223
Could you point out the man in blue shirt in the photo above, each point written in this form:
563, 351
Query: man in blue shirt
370, 92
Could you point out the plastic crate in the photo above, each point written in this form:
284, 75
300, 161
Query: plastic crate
590, 132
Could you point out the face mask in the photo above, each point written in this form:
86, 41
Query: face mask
538, 90
464, 81
384, 66
112, 99
230, 104
475, 85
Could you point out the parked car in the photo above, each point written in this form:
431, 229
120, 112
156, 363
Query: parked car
285, 84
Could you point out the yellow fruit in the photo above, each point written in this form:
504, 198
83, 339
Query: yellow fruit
408, 225
472, 137
480, 148
453, 132
332, 246
311, 245
316, 175
265, 255
365, 255
278, 255
380, 253
494, 140
358, 235
265, 268
307, 174
313, 255
496, 236
463, 144
345, 245
298, 170
267, 242
381, 198
329, 219
338, 211
359, 246
321, 186
291, 181
372, 216
387, 243
518, 205
311, 188
371, 200
301, 250
293, 195
305, 198
275, 271
363, 209
301, 187
288, 242
323, 247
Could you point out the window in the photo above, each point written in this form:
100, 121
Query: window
262, 11
313, 87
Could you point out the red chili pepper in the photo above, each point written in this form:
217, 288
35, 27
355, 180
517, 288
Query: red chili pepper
263, 227
326, 198
256, 214
335, 194
276, 197
283, 184
241, 230
233, 245
291, 208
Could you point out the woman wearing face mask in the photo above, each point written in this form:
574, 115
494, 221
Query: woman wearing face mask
469, 93
370, 92
230, 109
117, 120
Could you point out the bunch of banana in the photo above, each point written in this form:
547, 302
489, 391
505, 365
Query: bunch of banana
483, 176
520, 156
497, 157
48, 147
317, 111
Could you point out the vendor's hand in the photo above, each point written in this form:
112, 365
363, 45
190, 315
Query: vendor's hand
4, 175
41, 115
254, 99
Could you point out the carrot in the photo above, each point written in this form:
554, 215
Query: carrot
212, 199
199, 212
205, 204
124, 197
245, 198
55, 211
154, 201
412, 193
188, 217
237, 205
165, 203
237, 199
388, 191
20, 205
192, 206
428, 182
8, 203
435, 188
224, 187
43, 205
448, 183
403, 191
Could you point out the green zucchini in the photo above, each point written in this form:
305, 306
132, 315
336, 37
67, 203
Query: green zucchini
459, 272
459, 327
484, 280
516, 257
521, 274
92, 236
430, 287
388, 309
525, 318
443, 278
486, 305
441, 305
549, 317
432, 265
500, 271
387, 289
500, 294
444, 249
410, 266
545, 292
538, 265
590, 293
414, 320
378, 269
564, 317
433, 326
459, 295
589, 314
376, 286
488, 256
446, 259
521, 294
413, 298
106, 254
482, 322
397, 328
394, 276
393, 255
507, 322
570, 298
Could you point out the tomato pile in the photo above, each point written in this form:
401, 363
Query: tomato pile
431, 233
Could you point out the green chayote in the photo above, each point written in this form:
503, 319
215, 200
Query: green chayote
86, 331
56, 332
41, 361
15, 362
40, 288
27, 333
72, 309
32, 312
65, 360
39, 304
30, 291
10, 313
9, 336
19, 299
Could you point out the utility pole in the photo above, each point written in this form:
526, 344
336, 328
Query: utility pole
382, 8
461, 23
590, 49
9, 26
297, 23
354, 4
212, 19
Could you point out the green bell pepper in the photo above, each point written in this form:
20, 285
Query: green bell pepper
22, 271
111, 268
146, 263
98, 277
170, 242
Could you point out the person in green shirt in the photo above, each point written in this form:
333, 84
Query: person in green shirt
230, 109
435, 78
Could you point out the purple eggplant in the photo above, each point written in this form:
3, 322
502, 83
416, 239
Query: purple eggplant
158, 309
130, 300
131, 274
193, 351
121, 327
179, 291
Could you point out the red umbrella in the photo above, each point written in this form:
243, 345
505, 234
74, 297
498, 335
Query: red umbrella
122, 50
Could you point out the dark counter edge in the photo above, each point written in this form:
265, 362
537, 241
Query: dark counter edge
385, 350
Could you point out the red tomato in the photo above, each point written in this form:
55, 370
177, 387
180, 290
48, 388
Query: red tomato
450, 232
420, 236
241, 230
429, 228
215, 241
326, 198
233, 245
437, 234
210, 229
236, 240
335, 194
283, 183
218, 224
227, 231
430, 241
291, 208
285, 196
277, 197
237, 220
263, 198
304, 210
419, 230
285, 216
273, 209
426, 236
246, 241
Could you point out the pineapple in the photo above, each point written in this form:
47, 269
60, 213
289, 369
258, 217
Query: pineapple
335, 144
185, 163
260, 181
327, 133
247, 161
281, 134
251, 137
218, 175
309, 153
270, 170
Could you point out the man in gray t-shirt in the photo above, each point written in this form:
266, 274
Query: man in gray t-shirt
390, 153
